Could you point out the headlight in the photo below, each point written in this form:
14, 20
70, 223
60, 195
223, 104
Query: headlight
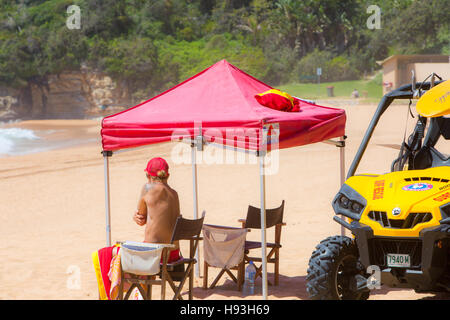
356, 207
349, 202
344, 201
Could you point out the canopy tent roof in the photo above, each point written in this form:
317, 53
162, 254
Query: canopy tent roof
220, 98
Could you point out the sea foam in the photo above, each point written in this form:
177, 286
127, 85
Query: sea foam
13, 139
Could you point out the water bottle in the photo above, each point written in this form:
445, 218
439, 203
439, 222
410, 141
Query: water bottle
249, 284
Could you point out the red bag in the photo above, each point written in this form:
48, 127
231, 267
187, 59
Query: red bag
278, 100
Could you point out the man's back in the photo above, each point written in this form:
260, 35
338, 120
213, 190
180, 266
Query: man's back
163, 208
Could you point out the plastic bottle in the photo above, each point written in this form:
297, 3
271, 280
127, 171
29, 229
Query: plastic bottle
249, 284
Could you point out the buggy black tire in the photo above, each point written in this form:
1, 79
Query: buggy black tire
334, 260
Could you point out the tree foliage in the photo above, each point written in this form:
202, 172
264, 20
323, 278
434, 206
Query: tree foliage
153, 45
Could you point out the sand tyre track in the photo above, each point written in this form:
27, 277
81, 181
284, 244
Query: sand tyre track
331, 269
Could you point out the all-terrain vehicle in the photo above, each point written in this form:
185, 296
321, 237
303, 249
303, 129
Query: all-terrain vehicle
400, 221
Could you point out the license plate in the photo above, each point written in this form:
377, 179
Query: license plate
398, 260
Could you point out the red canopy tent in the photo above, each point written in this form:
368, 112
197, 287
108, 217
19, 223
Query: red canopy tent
220, 99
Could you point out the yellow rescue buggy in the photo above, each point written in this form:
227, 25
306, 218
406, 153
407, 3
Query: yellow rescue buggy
400, 221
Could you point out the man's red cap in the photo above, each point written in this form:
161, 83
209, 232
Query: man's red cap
155, 165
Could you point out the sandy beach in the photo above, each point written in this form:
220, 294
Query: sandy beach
53, 211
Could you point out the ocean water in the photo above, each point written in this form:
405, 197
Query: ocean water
16, 141
20, 141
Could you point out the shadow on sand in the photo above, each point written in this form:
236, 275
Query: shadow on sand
288, 288
385, 290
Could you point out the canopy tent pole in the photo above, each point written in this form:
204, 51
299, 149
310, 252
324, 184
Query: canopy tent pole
106, 155
261, 154
263, 224
342, 160
195, 199
196, 144
341, 145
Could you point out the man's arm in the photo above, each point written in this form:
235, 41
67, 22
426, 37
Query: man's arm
140, 216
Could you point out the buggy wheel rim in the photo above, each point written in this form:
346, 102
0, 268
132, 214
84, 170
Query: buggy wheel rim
344, 271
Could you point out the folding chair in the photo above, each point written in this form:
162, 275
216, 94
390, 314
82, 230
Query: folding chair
185, 229
140, 270
274, 217
224, 248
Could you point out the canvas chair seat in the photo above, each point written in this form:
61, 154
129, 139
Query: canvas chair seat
224, 248
172, 265
249, 245
175, 268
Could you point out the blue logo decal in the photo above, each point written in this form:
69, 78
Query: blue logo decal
418, 187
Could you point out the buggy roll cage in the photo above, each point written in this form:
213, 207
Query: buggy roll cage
404, 92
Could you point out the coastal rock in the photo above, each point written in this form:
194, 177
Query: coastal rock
65, 96
105, 95
69, 95
8, 104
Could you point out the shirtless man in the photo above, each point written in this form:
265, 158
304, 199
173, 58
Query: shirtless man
159, 206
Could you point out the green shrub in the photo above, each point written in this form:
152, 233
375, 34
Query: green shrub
336, 68
339, 69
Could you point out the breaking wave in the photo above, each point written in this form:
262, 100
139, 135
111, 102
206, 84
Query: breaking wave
13, 140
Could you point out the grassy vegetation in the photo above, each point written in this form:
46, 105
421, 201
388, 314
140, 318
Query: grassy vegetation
342, 89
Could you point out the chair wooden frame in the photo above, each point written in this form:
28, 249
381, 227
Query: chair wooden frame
274, 217
239, 279
185, 229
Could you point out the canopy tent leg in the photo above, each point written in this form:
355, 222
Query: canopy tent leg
195, 200
342, 167
106, 155
263, 224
